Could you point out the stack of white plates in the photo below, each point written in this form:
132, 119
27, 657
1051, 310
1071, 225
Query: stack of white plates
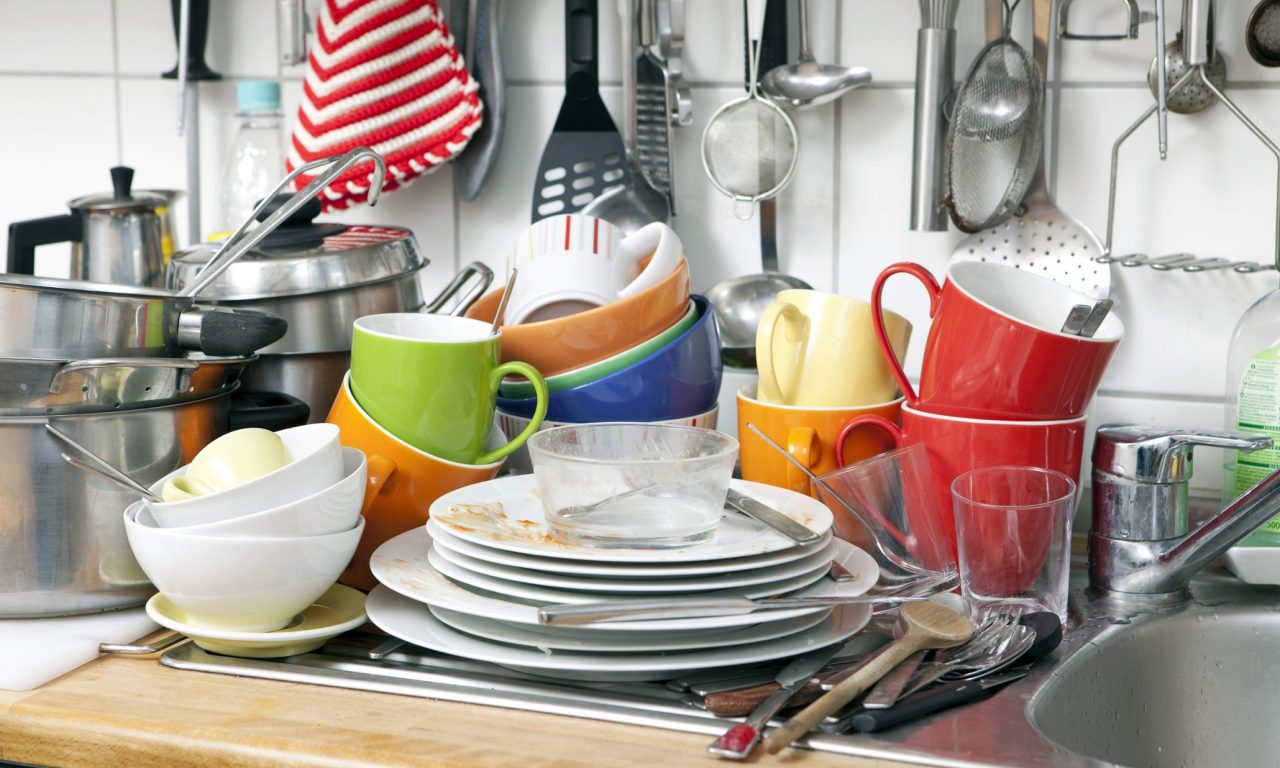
486, 562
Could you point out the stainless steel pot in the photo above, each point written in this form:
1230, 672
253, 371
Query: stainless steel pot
124, 237
73, 320
63, 549
31, 387
320, 277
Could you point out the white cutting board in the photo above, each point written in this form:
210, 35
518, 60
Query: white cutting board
35, 651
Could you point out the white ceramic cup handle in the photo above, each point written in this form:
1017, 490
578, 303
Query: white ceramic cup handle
660, 240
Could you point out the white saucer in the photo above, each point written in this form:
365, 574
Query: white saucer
443, 547
550, 595
401, 564
589, 640
404, 618
339, 609
506, 513
561, 565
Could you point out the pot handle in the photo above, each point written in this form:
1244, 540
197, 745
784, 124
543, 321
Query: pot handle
267, 410
475, 268
24, 236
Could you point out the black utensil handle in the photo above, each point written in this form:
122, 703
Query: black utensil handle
267, 410
24, 236
917, 706
581, 49
773, 40
197, 69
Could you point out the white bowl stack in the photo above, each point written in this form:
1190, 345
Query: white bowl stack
251, 558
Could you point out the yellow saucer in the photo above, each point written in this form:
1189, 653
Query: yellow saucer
336, 611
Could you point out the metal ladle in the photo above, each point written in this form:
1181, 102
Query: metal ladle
807, 83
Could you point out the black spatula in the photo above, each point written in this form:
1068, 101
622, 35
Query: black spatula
584, 154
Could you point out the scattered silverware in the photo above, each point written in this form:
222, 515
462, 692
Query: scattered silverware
571, 614
916, 706
738, 742
886, 692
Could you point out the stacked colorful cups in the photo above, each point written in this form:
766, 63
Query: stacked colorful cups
1000, 383
819, 368
608, 318
419, 401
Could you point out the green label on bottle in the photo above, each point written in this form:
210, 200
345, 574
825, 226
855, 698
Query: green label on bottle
1259, 414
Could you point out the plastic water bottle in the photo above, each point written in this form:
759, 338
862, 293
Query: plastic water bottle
256, 162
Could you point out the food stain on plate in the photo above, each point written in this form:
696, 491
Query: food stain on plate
491, 521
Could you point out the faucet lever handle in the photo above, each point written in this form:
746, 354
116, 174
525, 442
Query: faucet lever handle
1148, 454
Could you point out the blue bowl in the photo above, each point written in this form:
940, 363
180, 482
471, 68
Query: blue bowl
679, 380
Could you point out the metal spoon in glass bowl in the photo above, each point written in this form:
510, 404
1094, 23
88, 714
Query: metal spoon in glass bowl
807, 83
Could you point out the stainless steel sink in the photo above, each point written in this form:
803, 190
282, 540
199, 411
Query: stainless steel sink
1193, 686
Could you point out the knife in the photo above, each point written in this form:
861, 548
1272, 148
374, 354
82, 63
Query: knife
919, 705
737, 703
571, 614
1094, 321
738, 741
771, 517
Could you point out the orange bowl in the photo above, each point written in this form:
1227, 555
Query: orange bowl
564, 343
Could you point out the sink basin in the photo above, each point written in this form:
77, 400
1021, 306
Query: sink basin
1195, 688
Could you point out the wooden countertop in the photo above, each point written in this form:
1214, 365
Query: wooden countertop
133, 711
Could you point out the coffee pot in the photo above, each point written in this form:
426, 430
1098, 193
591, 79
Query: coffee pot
124, 237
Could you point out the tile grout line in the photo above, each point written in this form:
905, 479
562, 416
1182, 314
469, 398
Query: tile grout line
115, 82
837, 126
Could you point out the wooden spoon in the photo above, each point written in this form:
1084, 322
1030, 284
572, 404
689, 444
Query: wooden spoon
928, 625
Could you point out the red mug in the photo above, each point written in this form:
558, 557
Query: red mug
956, 445
994, 350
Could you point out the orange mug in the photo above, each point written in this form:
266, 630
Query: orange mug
810, 435
410, 479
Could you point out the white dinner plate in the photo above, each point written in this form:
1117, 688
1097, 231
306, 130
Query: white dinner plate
408, 620
549, 595
401, 564
745, 578
589, 640
559, 565
506, 513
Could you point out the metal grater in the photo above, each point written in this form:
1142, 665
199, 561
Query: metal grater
653, 124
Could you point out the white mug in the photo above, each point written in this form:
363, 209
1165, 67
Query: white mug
572, 263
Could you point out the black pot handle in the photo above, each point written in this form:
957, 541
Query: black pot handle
581, 30
24, 236
267, 410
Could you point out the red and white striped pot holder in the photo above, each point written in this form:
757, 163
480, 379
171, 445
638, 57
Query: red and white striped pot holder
383, 74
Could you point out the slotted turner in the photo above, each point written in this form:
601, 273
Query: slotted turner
584, 154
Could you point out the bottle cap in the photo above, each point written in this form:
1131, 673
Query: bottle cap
258, 94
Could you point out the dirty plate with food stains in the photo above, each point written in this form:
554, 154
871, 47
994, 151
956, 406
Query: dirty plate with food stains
507, 514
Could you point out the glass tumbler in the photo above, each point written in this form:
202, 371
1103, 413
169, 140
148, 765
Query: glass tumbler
1013, 528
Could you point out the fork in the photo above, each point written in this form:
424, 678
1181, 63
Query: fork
993, 636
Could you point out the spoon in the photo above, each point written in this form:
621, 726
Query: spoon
99, 466
502, 303
739, 302
928, 625
807, 83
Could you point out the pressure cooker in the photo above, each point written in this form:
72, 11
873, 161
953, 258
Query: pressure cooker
320, 277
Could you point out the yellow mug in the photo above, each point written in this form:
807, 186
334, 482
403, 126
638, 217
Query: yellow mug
816, 349
808, 434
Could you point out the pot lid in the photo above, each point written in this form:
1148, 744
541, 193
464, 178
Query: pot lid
123, 198
303, 257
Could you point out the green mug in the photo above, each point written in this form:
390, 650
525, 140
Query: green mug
432, 381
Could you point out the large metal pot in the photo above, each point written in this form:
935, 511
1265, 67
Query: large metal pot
30, 387
320, 277
49, 317
63, 549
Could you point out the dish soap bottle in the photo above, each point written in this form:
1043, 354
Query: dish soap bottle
1253, 405
255, 162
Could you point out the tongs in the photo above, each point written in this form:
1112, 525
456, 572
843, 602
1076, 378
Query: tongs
241, 243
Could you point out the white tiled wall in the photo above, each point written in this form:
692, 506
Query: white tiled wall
80, 89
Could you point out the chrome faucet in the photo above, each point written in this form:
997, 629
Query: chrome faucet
1141, 542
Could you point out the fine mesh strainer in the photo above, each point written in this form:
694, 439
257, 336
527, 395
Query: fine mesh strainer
749, 145
1043, 239
1262, 33
996, 134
